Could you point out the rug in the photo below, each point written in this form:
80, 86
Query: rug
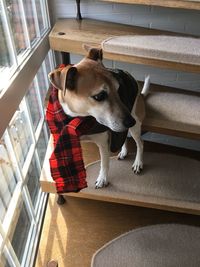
164, 176
178, 108
163, 47
165, 245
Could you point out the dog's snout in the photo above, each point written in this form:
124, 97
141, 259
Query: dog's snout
129, 121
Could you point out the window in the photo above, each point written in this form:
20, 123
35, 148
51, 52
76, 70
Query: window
24, 27
22, 151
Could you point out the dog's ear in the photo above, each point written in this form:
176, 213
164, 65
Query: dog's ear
54, 78
71, 78
64, 79
94, 53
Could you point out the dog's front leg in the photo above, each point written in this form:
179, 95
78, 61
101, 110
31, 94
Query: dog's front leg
124, 151
136, 134
102, 143
102, 179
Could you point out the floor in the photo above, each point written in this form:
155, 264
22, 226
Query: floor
74, 231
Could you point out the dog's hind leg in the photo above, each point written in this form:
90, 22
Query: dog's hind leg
136, 134
138, 113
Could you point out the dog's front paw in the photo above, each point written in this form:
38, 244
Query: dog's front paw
122, 154
137, 166
101, 182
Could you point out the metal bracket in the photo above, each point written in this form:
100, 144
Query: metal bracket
78, 16
61, 200
65, 58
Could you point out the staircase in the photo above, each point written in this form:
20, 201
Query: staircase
169, 111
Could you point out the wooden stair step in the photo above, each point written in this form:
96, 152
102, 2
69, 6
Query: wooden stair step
69, 35
158, 186
185, 4
184, 50
173, 111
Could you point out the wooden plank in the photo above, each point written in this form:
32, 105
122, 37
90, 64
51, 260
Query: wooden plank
69, 35
146, 202
185, 4
171, 128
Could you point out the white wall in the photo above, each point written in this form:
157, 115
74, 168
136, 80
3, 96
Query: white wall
178, 20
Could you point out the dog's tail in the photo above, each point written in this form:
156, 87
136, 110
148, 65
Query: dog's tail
146, 86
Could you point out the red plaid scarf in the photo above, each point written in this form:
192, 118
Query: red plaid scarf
66, 163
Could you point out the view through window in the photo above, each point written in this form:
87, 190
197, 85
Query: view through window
23, 25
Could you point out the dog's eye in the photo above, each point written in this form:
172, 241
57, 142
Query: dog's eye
100, 96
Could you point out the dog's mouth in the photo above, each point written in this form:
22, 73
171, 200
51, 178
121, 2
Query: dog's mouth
119, 126
119, 129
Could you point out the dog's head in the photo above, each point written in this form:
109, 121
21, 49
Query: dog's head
88, 88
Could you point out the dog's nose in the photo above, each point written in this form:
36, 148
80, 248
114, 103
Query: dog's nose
129, 121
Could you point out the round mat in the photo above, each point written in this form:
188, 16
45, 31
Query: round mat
166, 245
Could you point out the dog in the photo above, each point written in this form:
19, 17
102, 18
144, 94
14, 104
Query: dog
89, 89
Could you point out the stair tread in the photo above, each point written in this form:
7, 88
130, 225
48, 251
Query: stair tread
68, 35
186, 4
168, 193
162, 47
171, 109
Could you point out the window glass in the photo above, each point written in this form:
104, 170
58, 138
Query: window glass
34, 106
17, 146
8, 179
20, 136
19, 163
21, 229
41, 21
2, 205
5, 58
5, 261
21, 124
42, 83
15, 17
33, 181
28, 8
1, 240
22, 23
42, 146
48, 64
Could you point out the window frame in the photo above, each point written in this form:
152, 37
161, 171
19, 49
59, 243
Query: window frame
12, 97
20, 82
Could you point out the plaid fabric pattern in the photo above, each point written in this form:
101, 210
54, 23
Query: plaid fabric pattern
66, 163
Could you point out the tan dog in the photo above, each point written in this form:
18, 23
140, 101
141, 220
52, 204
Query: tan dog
89, 89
